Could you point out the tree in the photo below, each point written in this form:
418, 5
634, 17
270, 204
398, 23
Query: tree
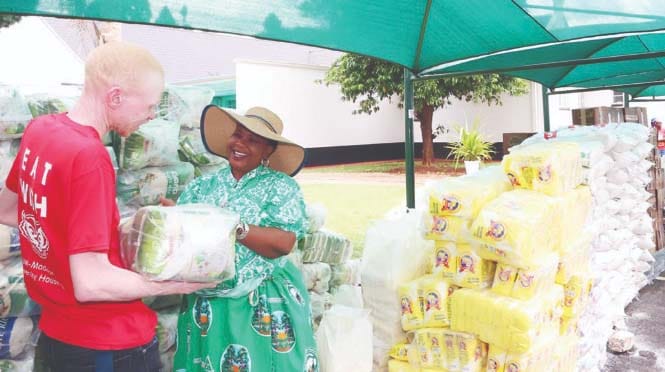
366, 81
7, 20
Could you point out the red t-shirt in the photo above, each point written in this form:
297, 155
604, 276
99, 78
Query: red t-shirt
66, 205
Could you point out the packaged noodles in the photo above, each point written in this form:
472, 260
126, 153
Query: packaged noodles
448, 228
472, 270
192, 242
411, 306
444, 260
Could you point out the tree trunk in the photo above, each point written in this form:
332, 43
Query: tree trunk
426, 131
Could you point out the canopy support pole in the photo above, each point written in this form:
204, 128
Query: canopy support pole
408, 139
626, 100
546, 109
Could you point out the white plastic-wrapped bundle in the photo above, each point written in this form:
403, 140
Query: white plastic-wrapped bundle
339, 325
192, 242
316, 216
8, 151
395, 253
20, 365
346, 273
15, 336
316, 276
167, 328
43, 104
465, 196
325, 246
184, 104
153, 144
552, 168
14, 113
320, 303
145, 186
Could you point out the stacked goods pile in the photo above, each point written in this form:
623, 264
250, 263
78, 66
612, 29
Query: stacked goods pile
394, 253
324, 258
616, 170
14, 112
184, 105
657, 190
508, 276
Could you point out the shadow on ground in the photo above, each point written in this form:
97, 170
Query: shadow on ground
646, 319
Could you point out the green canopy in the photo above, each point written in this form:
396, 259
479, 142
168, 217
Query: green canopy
645, 91
417, 34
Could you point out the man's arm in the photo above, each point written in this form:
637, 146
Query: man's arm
95, 279
8, 207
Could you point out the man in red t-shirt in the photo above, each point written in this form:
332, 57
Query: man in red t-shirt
62, 184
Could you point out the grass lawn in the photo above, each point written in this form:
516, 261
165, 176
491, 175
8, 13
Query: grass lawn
391, 166
352, 207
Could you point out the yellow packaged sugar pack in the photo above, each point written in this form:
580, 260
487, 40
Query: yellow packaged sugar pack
464, 196
400, 351
437, 341
434, 292
472, 270
503, 321
575, 292
496, 359
444, 260
411, 305
530, 282
451, 352
517, 228
575, 259
540, 357
395, 365
472, 353
423, 343
447, 228
573, 212
504, 279
551, 168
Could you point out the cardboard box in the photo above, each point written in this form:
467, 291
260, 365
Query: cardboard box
597, 115
636, 115
513, 139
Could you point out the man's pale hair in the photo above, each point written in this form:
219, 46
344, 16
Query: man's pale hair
119, 64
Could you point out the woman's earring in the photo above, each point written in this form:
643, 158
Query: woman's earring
265, 162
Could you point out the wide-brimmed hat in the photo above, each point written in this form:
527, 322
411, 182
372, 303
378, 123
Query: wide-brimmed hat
217, 126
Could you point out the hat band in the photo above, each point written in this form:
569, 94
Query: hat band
266, 122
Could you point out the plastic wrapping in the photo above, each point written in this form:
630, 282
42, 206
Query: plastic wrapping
43, 104
10, 245
184, 104
114, 159
320, 303
465, 196
508, 323
14, 113
15, 336
316, 276
14, 299
22, 365
192, 150
316, 216
8, 151
153, 144
472, 270
519, 228
449, 228
192, 242
163, 302
424, 303
339, 325
325, 246
445, 260
550, 167
346, 273
145, 186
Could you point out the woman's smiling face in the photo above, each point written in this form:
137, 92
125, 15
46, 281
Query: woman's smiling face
246, 150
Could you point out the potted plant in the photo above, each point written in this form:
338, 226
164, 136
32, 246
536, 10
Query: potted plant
471, 148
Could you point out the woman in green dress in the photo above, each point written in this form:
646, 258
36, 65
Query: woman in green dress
261, 319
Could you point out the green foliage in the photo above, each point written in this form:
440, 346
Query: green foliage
366, 81
7, 20
471, 145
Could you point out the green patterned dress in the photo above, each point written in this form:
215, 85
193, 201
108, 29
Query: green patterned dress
261, 320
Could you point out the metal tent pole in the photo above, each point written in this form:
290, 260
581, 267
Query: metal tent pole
408, 139
546, 110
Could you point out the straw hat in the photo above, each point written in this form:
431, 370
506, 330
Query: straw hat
217, 126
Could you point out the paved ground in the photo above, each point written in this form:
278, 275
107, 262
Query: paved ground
646, 315
646, 319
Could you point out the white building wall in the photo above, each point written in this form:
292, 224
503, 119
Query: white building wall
314, 115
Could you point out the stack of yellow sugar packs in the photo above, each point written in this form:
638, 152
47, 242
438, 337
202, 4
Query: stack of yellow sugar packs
518, 228
505, 322
459, 264
455, 201
552, 168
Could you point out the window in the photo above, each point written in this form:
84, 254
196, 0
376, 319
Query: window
617, 98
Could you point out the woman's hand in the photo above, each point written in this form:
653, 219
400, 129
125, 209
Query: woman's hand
164, 202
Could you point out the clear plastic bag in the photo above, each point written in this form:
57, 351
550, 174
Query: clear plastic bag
10, 245
316, 215
16, 335
153, 144
184, 104
339, 325
14, 299
167, 328
43, 104
14, 113
191, 149
192, 242
145, 186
